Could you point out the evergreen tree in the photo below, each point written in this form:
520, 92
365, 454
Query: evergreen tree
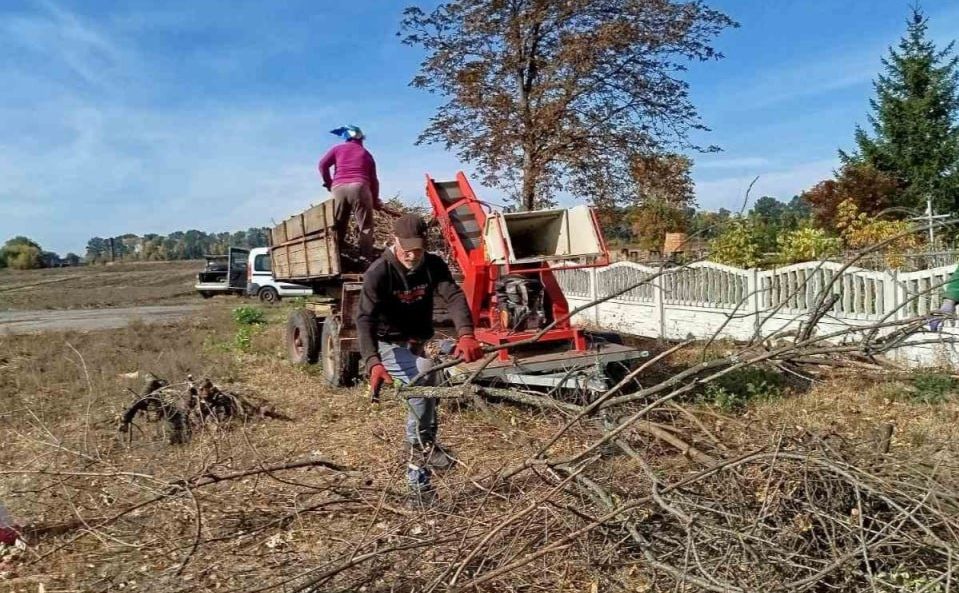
915, 138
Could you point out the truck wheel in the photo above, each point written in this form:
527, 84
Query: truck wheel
302, 337
269, 295
206, 294
339, 368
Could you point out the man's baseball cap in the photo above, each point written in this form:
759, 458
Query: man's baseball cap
410, 230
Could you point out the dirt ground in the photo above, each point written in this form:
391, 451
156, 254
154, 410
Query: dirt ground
123, 284
65, 467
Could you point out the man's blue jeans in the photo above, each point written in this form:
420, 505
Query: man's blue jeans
403, 363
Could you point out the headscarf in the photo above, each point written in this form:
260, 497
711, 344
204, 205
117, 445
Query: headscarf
349, 132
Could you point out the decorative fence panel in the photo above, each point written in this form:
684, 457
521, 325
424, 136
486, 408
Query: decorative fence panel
707, 299
618, 277
575, 282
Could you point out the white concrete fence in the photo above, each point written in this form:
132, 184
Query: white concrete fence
706, 298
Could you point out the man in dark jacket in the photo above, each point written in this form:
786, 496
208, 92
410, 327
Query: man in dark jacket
395, 319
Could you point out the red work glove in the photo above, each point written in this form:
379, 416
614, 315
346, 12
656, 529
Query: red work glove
378, 376
8, 535
468, 348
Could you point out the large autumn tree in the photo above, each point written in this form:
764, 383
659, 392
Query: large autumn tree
664, 178
871, 190
549, 95
915, 137
665, 196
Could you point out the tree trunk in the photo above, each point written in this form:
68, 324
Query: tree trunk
528, 197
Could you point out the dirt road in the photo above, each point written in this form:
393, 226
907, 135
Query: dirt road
25, 322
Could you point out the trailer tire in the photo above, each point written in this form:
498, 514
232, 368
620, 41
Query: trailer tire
302, 337
268, 295
339, 368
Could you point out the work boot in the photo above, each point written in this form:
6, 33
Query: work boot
421, 493
438, 458
430, 455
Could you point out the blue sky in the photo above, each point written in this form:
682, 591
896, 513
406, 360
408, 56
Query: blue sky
146, 117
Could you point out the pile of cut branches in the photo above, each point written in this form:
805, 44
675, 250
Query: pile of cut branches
192, 405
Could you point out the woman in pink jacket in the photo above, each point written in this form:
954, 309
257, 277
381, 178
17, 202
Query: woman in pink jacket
354, 184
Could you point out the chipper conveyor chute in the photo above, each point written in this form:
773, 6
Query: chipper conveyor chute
507, 262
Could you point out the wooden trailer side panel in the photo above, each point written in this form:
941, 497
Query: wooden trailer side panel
318, 218
304, 247
311, 257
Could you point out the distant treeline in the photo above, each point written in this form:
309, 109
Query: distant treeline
192, 244
23, 253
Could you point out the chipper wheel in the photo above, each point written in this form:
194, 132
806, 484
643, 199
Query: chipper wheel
340, 368
302, 337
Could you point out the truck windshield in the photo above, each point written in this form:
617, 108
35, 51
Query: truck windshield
262, 263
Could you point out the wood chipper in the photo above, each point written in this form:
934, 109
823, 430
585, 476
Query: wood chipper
505, 266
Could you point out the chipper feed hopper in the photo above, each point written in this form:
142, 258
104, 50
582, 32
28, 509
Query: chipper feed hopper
506, 261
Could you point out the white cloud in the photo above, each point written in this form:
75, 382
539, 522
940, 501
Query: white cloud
59, 40
730, 192
109, 170
85, 153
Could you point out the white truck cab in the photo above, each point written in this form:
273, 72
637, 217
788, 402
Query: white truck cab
261, 284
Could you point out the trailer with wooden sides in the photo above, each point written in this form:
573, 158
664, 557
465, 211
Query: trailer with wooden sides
304, 249
506, 260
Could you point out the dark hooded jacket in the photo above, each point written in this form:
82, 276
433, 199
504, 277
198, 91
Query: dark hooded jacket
396, 304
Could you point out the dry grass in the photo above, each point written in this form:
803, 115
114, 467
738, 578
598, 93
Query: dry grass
856, 408
137, 283
60, 395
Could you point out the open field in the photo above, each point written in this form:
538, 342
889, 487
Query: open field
124, 284
109, 511
307, 493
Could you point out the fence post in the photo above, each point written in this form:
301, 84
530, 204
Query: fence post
752, 292
893, 297
890, 294
659, 309
902, 297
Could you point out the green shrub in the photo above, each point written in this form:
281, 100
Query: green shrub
806, 244
243, 339
738, 245
295, 302
902, 581
931, 388
734, 390
249, 316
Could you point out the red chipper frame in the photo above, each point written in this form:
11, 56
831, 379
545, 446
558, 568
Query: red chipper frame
462, 221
